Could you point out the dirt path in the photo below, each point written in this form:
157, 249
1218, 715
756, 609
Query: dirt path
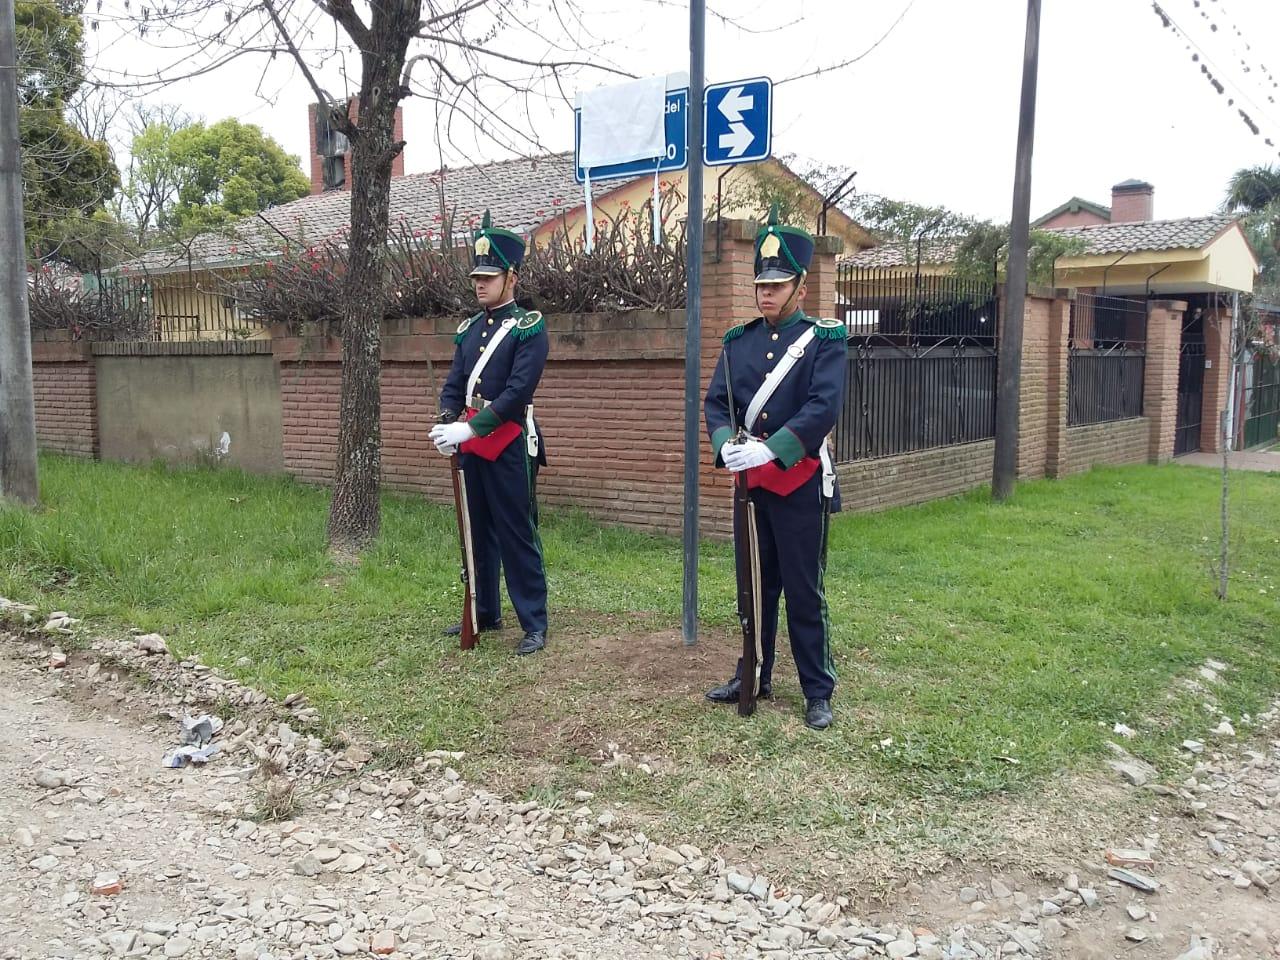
424, 865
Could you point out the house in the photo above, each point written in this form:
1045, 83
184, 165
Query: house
1131, 200
193, 285
1165, 258
1124, 258
1125, 252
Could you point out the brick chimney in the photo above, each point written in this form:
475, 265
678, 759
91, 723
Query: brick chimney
331, 153
1131, 201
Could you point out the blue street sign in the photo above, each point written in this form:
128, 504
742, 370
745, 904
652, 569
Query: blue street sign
738, 120
677, 155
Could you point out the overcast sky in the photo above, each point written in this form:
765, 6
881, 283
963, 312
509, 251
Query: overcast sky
930, 114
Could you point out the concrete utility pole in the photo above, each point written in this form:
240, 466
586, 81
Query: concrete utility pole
693, 322
1005, 470
17, 396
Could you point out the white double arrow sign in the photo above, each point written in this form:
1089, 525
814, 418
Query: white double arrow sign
739, 138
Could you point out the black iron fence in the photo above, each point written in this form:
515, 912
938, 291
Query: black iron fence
922, 362
1261, 402
1107, 358
206, 309
900, 302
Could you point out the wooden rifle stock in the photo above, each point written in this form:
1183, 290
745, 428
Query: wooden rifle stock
467, 639
470, 625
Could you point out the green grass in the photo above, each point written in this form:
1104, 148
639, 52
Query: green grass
966, 633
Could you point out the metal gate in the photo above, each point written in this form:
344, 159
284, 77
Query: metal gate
1261, 402
1186, 438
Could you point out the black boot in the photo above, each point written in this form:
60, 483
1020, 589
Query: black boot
456, 629
817, 713
531, 642
731, 691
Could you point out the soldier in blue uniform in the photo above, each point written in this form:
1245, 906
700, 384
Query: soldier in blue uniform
486, 413
788, 373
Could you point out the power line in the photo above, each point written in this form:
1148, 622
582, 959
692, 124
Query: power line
1244, 63
1202, 58
1200, 54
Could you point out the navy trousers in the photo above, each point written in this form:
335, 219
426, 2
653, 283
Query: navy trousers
793, 548
504, 531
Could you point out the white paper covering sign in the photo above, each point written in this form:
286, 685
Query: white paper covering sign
624, 122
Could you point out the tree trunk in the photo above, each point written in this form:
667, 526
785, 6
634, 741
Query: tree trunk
354, 515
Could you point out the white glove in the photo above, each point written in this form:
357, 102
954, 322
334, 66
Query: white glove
743, 456
449, 436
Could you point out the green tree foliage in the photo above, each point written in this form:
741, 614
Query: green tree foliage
977, 249
902, 221
66, 176
190, 177
1255, 192
984, 253
798, 198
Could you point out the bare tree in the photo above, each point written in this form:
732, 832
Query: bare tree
94, 111
150, 181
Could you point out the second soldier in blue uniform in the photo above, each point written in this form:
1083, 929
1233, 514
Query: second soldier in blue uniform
487, 409
788, 373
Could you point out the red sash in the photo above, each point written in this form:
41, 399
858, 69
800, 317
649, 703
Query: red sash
782, 481
490, 446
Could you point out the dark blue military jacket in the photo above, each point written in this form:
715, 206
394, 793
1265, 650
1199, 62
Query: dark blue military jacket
802, 411
509, 379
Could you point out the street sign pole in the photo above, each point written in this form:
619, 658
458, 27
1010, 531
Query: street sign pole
693, 321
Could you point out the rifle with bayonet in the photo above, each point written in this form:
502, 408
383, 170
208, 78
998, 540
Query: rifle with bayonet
470, 622
746, 557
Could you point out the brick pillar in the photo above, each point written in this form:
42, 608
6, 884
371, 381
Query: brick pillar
65, 383
1032, 396
1057, 352
728, 298
820, 286
1217, 377
1160, 388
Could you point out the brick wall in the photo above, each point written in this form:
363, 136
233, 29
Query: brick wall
1117, 442
610, 405
66, 396
915, 477
611, 401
